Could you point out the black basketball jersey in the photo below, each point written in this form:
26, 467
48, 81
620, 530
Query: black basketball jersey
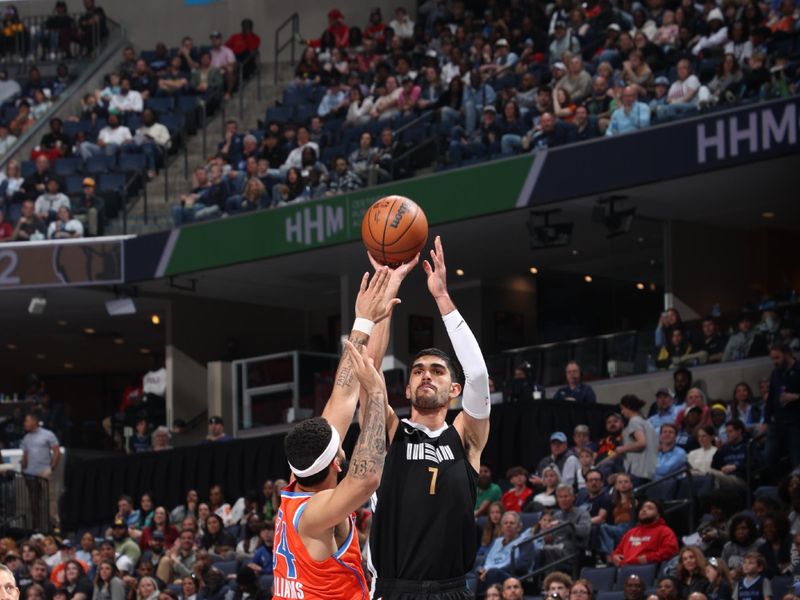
423, 527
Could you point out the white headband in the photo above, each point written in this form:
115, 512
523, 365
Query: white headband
323, 460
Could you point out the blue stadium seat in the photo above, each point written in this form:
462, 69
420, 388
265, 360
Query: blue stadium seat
663, 490
67, 166
781, 585
331, 152
133, 122
71, 128
14, 212
172, 121
414, 136
186, 104
602, 578
647, 573
74, 184
132, 162
160, 105
530, 519
98, 164
228, 567
304, 112
27, 167
296, 95
281, 114
147, 55
610, 596
111, 182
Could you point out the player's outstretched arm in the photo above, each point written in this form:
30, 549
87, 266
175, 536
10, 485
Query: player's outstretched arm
473, 422
372, 306
330, 507
379, 340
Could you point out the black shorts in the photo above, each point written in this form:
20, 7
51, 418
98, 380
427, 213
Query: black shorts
404, 589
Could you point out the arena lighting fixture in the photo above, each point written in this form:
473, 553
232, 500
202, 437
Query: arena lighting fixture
156, 320
587, 278
640, 286
11, 346
37, 305
460, 272
534, 271
69, 365
120, 306
544, 234
768, 214
89, 330
617, 222
119, 341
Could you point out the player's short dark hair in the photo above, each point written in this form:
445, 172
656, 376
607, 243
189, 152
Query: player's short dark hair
452, 364
303, 445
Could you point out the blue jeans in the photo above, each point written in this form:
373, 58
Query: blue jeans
668, 112
610, 535
458, 150
510, 143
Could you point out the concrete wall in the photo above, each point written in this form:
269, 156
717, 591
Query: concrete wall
151, 21
186, 385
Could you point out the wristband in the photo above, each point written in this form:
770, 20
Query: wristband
363, 325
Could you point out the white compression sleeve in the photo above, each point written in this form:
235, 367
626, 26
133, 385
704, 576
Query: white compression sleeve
475, 396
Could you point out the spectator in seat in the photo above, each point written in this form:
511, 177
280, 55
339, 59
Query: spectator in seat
224, 59
402, 25
88, 208
143, 79
748, 408
110, 140
65, 226
545, 497
512, 589
695, 398
669, 320
660, 89
667, 411
581, 438
358, 108
216, 540
245, 46
272, 151
690, 422
161, 525
127, 100
621, 514
515, 498
54, 139
174, 81
651, 541
476, 95
575, 390
385, 106
188, 589
35, 184
782, 411
123, 544
153, 139
492, 528
730, 459
717, 34
777, 546
187, 53
363, 158
153, 551
667, 589
261, 562
633, 588
594, 499
343, 179
76, 583
550, 133
586, 127
231, 148
691, 571
253, 197
487, 491
292, 189
24, 119
577, 82
335, 101
508, 555
739, 344
631, 116
671, 458
720, 584
49, 203
107, 583
677, 350
6, 229
753, 584
713, 343
565, 543
29, 226
562, 457
743, 539
216, 431
581, 590
700, 459
147, 589
206, 79
684, 94
563, 41
295, 158
7, 140
607, 446
449, 104
557, 584
479, 142
641, 452
636, 73
179, 562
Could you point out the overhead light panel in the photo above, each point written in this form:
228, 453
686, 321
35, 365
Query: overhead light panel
120, 306
37, 305
544, 234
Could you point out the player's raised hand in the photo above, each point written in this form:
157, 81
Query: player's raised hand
437, 274
372, 302
364, 368
397, 274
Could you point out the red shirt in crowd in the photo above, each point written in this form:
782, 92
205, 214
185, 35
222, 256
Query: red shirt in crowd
651, 543
515, 501
243, 42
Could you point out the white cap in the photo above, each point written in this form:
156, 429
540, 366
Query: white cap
501, 42
615, 27
560, 65
124, 564
714, 14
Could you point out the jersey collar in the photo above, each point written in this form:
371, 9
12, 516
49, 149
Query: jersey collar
430, 433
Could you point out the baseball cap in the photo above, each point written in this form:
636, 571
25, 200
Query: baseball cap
663, 392
501, 42
88, 181
614, 27
559, 436
66, 543
215, 34
124, 564
560, 65
430, 53
581, 429
561, 24
718, 406
489, 108
714, 14
119, 523
661, 80
335, 13
216, 420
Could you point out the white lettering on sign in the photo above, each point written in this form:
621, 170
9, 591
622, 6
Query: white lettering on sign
6, 270
314, 224
733, 138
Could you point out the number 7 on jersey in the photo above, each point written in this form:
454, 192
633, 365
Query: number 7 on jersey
434, 471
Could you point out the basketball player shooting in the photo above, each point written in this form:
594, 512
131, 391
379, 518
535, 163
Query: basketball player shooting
422, 541
316, 551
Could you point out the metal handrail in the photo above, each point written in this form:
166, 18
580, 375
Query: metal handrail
294, 21
242, 83
548, 566
114, 42
674, 503
748, 465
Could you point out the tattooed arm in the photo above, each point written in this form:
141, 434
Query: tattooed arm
372, 304
328, 508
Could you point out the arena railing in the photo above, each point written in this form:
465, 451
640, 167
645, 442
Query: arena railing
675, 502
292, 21
24, 503
27, 44
113, 44
255, 60
750, 471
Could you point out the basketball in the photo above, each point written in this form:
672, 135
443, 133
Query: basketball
394, 229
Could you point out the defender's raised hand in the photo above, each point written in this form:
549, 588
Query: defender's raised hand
364, 368
372, 302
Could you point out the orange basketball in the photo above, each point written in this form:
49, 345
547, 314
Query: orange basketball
394, 229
